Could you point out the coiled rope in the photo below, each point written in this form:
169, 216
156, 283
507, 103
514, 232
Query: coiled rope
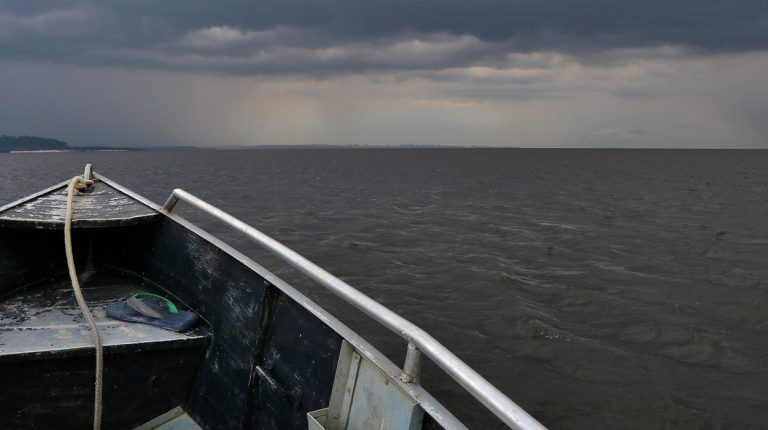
76, 184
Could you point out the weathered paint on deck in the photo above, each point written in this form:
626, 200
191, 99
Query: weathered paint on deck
44, 319
99, 206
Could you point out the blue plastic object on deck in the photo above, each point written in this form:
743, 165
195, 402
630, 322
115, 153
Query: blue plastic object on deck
171, 318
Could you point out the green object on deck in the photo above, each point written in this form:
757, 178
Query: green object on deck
169, 304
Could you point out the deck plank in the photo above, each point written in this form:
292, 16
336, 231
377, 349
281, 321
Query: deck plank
102, 205
45, 319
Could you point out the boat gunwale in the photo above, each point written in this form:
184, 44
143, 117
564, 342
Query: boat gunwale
426, 401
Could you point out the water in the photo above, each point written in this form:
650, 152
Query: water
598, 288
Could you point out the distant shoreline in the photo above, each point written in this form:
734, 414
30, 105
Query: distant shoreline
35, 144
39, 145
35, 151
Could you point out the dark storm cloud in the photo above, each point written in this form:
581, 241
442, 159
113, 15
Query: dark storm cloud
341, 36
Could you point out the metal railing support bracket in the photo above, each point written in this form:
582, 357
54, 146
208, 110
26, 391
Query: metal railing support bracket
412, 365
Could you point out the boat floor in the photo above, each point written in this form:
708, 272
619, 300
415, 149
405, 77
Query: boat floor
44, 318
175, 419
183, 422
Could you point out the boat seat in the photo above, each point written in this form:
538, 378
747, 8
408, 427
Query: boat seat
46, 320
47, 357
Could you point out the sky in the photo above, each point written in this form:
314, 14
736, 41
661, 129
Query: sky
523, 73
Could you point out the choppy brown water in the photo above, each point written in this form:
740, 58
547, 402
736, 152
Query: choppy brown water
598, 288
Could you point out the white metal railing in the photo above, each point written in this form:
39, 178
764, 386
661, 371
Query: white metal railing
418, 340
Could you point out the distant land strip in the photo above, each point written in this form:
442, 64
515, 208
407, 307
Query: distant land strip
44, 144
24, 144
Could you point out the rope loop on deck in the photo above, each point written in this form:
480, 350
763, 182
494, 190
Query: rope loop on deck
75, 185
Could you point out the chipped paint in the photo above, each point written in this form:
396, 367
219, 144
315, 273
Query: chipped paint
64, 334
130, 331
100, 206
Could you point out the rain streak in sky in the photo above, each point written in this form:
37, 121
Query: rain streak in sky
552, 73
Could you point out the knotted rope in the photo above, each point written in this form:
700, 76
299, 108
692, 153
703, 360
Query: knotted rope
76, 184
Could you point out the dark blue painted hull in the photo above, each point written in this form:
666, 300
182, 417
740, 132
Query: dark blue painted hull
262, 357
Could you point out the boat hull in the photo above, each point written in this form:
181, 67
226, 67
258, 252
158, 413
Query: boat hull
269, 355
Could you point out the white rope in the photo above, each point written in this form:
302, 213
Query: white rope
78, 183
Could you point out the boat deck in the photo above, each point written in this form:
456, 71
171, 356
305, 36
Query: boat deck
99, 206
44, 319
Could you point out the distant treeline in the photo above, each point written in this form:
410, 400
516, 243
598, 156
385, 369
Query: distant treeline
34, 143
31, 143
